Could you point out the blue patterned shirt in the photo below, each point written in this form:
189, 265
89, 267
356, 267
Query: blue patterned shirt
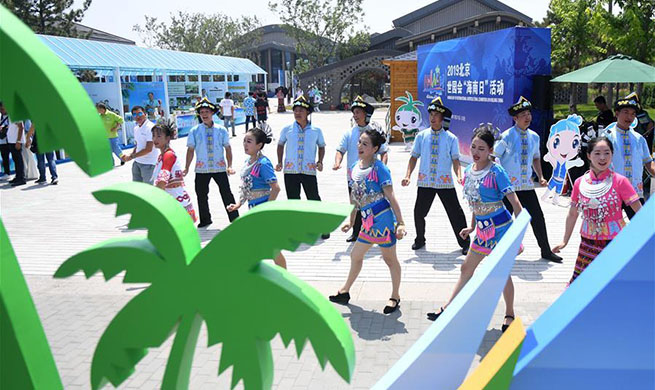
516, 150
348, 146
249, 106
630, 154
301, 145
208, 143
436, 149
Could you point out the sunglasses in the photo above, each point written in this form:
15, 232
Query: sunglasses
138, 114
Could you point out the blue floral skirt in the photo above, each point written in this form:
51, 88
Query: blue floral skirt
378, 224
489, 230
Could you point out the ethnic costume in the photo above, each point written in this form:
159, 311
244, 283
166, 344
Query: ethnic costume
599, 200
169, 170
349, 146
631, 151
436, 150
378, 220
484, 191
256, 179
517, 149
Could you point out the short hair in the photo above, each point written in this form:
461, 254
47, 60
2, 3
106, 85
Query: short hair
101, 105
228, 94
600, 99
250, 93
137, 108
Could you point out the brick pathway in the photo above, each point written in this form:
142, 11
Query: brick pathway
48, 224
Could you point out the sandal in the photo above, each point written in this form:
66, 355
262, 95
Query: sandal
504, 327
434, 316
390, 309
342, 298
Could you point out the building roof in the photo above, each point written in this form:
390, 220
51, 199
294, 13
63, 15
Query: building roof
395, 33
86, 54
411, 56
97, 35
441, 4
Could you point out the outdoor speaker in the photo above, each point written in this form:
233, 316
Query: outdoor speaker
542, 92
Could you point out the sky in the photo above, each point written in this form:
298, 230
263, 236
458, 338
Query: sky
119, 16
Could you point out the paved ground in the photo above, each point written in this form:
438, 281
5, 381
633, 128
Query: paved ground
48, 224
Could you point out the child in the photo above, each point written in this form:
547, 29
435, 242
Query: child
258, 181
168, 174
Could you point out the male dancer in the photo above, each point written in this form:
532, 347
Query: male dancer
631, 153
209, 141
362, 112
439, 152
301, 139
518, 151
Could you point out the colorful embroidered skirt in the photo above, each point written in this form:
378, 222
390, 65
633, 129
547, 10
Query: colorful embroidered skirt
180, 194
489, 230
378, 224
588, 251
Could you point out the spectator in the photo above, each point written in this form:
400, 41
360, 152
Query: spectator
261, 105
31, 143
5, 151
227, 109
112, 122
605, 114
144, 153
249, 109
15, 138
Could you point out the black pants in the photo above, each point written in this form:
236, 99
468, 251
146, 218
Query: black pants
5, 153
17, 156
293, 181
530, 202
448, 197
202, 190
251, 118
629, 211
357, 226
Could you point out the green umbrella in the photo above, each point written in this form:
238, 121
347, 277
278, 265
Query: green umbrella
618, 68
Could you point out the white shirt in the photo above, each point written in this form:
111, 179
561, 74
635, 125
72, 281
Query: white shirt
143, 135
12, 133
226, 105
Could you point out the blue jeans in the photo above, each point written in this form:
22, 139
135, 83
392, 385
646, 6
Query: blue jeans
115, 147
40, 164
227, 122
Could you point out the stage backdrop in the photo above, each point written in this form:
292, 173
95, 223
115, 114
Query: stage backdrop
480, 76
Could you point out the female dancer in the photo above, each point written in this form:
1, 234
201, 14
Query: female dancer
382, 222
485, 186
169, 171
258, 181
598, 195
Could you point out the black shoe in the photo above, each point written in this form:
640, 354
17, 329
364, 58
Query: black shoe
54, 181
325, 236
342, 298
434, 316
465, 250
352, 238
18, 183
13, 180
203, 224
417, 245
551, 257
390, 309
122, 163
41, 180
504, 327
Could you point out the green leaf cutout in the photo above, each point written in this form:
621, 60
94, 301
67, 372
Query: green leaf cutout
225, 285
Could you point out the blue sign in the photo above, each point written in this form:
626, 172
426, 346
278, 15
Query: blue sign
480, 76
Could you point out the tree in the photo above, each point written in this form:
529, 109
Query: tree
216, 34
243, 302
51, 17
320, 27
574, 39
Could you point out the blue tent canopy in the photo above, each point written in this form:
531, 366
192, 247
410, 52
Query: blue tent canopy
87, 54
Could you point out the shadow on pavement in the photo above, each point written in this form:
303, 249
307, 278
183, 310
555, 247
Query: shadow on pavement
373, 324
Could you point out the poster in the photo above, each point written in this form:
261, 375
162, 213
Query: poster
149, 95
480, 76
106, 93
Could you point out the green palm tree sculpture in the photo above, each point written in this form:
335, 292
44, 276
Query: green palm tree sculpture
243, 301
